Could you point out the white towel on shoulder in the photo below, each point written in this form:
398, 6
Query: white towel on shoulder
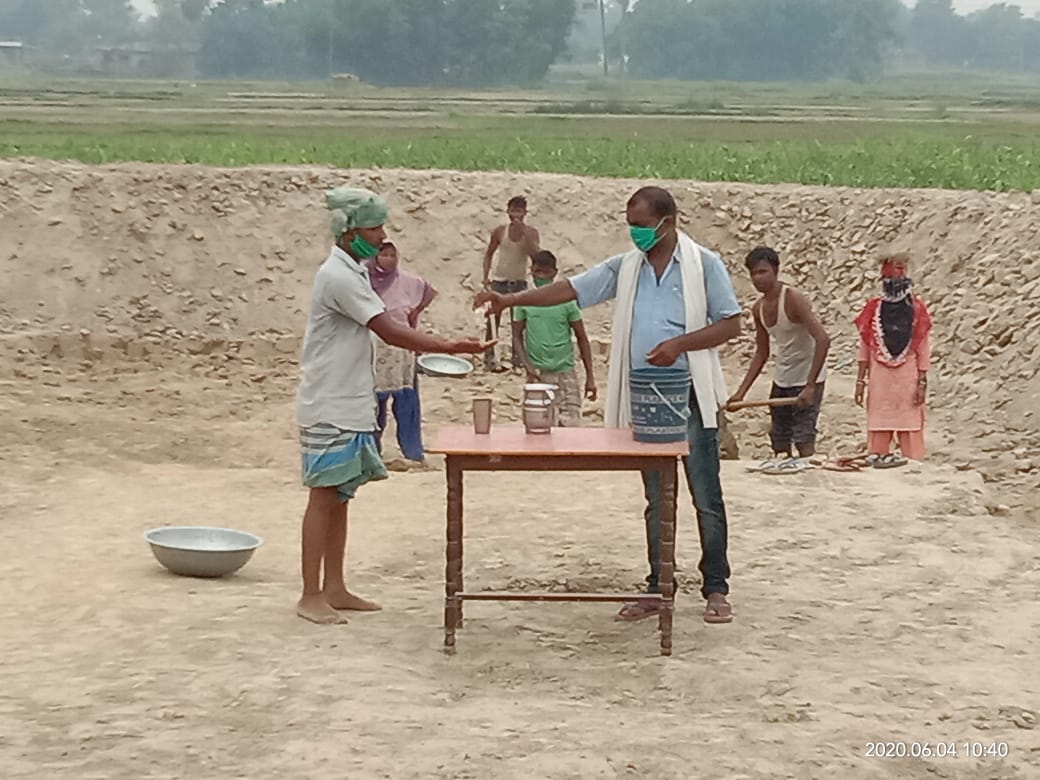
705, 365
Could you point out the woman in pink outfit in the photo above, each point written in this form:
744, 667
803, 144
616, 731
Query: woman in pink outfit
894, 359
405, 297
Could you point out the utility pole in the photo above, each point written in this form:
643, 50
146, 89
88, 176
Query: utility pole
625, 5
603, 29
332, 26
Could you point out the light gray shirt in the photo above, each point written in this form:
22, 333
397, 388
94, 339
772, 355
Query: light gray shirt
337, 383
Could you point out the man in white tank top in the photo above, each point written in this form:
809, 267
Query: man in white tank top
516, 243
784, 315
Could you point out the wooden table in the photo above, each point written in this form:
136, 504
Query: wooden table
565, 449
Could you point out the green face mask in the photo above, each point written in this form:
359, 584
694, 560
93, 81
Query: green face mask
362, 248
645, 238
542, 282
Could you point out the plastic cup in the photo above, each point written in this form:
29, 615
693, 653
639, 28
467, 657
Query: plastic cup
482, 415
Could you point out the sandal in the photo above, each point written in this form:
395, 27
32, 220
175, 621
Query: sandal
718, 610
843, 466
767, 466
638, 610
863, 457
789, 466
890, 461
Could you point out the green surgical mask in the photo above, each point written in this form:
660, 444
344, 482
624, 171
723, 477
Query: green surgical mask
645, 238
362, 248
542, 282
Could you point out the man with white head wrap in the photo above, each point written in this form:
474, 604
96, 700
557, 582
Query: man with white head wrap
336, 400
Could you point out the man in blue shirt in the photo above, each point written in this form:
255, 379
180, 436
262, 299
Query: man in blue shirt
661, 336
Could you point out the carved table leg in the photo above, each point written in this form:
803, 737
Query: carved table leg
668, 501
453, 556
459, 603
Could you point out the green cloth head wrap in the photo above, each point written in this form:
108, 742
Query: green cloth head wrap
354, 207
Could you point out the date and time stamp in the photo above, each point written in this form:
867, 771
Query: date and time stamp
952, 749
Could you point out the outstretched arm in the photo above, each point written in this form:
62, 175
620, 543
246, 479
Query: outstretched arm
398, 335
550, 295
596, 285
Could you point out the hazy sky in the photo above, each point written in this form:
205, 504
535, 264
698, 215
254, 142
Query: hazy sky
1029, 7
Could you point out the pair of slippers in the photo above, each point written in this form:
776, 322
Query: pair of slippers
716, 611
859, 462
889, 461
781, 466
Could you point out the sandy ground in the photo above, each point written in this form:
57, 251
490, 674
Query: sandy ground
872, 606
147, 378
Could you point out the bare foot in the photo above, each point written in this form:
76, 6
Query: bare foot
344, 599
317, 610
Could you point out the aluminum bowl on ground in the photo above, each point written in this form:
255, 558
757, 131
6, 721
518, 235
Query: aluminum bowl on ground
444, 365
202, 551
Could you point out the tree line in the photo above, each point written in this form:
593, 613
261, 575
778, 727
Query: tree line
388, 42
760, 40
794, 40
514, 42
999, 37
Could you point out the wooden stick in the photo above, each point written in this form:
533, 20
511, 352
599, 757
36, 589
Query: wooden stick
488, 328
738, 405
493, 595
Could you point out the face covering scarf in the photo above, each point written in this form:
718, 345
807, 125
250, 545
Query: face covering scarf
896, 316
380, 277
895, 322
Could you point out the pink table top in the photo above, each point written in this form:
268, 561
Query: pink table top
461, 440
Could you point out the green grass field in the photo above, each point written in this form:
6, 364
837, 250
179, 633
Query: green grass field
950, 133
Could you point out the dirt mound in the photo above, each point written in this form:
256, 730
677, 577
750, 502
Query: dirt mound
209, 270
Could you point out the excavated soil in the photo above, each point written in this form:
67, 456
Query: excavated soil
150, 324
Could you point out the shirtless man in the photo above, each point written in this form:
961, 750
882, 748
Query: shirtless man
516, 243
785, 314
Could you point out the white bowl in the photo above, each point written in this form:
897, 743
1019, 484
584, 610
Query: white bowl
202, 551
444, 365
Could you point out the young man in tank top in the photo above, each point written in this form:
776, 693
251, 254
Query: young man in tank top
517, 244
784, 315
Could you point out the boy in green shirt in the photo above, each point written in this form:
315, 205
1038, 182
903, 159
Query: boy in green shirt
544, 335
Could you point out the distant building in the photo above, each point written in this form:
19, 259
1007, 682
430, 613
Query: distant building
12, 54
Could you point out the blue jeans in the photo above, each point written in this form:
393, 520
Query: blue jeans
702, 468
407, 415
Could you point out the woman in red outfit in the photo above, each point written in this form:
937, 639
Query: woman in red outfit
894, 359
